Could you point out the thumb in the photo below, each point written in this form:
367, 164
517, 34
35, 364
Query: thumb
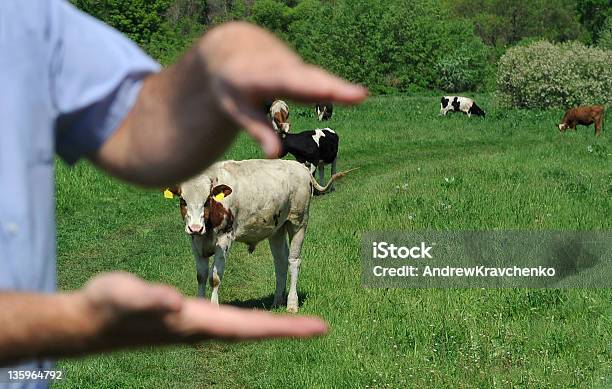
160, 299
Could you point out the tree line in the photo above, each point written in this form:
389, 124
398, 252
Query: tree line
392, 46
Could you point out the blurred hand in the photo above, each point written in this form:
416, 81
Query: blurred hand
186, 116
123, 310
248, 65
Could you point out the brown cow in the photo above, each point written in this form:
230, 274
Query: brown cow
585, 116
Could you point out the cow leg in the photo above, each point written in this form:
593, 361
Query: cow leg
597, 126
280, 252
201, 263
202, 275
296, 236
218, 268
321, 169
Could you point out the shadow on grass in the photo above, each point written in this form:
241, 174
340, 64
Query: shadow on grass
263, 302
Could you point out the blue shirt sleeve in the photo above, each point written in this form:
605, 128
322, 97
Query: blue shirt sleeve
95, 76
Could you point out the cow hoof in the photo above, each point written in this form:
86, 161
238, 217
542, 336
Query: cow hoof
292, 308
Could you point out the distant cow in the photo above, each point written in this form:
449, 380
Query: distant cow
279, 113
585, 115
249, 201
324, 111
315, 148
460, 104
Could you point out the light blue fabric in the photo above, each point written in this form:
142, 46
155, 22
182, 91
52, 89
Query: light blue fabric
67, 81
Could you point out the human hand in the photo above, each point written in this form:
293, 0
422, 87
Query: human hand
247, 65
123, 310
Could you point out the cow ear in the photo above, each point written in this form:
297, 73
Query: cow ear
221, 191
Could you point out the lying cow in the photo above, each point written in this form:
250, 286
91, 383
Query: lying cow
585, 116
315, 148
324, 111
279, 113
460, 104
249, 201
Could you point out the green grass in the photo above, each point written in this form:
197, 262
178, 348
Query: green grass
512, 170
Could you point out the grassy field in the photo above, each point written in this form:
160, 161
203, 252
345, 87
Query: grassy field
512, 170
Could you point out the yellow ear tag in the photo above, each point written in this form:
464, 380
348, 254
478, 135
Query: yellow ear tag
168, 194
220, 196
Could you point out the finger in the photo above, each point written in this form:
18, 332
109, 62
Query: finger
307, 83
257, 125
162, 299
202, 319
137, 296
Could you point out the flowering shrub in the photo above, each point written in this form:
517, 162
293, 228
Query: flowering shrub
542, 75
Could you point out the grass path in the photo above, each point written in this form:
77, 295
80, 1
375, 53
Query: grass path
512, 170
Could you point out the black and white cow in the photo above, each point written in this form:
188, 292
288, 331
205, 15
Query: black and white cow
460, 104
315, 148
324, 111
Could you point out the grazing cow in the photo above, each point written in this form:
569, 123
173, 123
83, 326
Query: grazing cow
249, 201
460, 104
585, 115
315, 148
324, 111
279, 112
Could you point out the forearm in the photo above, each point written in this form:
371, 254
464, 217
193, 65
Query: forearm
37, 325
174, 129
118, 310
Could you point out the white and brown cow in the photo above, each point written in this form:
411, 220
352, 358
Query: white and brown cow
460, 104
249, 201
279, 113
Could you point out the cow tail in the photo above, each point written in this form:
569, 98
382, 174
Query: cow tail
333, 178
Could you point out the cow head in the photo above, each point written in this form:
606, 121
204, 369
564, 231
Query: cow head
280, 124
562, 127
202, 208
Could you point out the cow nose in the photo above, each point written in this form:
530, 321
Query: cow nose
195, 229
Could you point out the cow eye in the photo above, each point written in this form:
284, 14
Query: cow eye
182, 202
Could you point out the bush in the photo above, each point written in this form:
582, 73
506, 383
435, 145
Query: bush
464, 68
388, 46
543, 75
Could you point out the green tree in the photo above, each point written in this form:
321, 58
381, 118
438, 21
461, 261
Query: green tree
506, 22
271, 14
593, 14
138, 19
605, 35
